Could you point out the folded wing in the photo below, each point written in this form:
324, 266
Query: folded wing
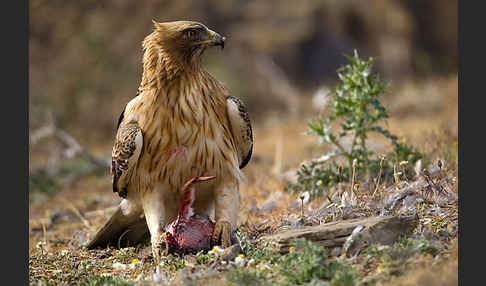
125, 155
241, 129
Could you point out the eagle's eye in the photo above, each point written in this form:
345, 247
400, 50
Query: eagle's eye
191, 34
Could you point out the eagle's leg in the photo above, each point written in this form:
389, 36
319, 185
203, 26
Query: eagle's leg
205, 200
226, 213
155, 214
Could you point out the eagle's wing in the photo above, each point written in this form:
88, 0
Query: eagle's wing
121, 229
127, 225
125, 154
241, 129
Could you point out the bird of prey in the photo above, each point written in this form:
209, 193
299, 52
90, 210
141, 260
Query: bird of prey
182, 124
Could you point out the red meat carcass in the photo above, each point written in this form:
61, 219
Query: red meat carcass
190, 232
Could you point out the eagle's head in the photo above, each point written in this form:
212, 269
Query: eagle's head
182, 42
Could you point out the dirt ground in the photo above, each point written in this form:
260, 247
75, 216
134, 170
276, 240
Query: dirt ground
423, 113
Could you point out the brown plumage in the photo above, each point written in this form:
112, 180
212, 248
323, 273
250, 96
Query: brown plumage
125, 155
182, 124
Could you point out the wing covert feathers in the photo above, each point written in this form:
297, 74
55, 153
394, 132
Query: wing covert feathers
241, 129
125, 154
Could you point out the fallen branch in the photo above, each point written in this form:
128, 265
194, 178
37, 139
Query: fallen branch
80, 216
72, 149
381, 230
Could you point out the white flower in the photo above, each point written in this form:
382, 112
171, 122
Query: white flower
325, 157
240, 261
64, 252
216, 251
119, 266
251, 262
40, 244
134, 263
106, 274
344, 200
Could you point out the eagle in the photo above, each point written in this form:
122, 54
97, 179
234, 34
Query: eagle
182, 124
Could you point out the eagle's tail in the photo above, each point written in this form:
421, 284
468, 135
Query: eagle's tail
121, 231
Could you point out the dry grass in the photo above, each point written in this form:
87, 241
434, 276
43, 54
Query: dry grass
433, 272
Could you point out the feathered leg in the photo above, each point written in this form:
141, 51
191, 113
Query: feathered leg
160, 206
226, 213
204, 203
154, 210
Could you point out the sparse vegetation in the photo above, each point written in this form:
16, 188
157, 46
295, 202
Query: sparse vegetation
173, 262
263, 265
392, 261
354, 104
245, 277
97, 280
402, 250
70, 195
277, 58
306, 263
43, 184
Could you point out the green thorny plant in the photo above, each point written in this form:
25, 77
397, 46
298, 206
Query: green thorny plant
355, 105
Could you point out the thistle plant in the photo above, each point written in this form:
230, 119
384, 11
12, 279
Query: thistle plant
355, 106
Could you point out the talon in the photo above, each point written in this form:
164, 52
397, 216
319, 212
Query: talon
222, 232
158, 249
166, 251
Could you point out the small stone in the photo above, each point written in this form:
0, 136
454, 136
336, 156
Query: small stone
231, 252
444, 233
240, 261
336, 251
62, 216
268, 207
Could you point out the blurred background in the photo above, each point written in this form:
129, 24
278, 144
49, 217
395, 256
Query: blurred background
280, 58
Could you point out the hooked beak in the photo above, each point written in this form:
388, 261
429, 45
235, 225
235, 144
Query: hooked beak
215, 39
